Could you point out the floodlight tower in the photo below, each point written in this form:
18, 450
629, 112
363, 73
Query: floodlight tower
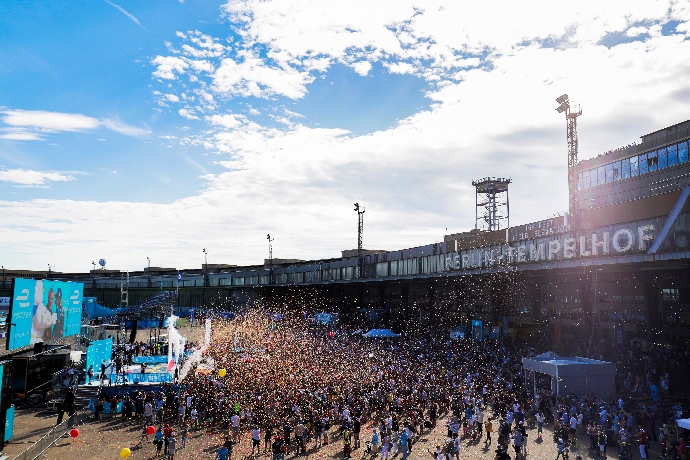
270, 258
493, 206
571, 114
360, 236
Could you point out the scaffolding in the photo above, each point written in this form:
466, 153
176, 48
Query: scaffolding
492, 204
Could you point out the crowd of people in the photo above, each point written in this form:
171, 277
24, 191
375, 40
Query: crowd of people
289, 387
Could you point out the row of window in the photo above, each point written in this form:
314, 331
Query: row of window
634, 166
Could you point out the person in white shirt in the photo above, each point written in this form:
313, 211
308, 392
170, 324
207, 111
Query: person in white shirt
256, 440
235, 421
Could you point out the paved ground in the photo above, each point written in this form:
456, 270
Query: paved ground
103, 441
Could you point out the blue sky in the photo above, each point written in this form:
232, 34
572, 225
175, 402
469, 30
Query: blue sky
134, 129
93, 59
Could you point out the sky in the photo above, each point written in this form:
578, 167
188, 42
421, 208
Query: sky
158, 129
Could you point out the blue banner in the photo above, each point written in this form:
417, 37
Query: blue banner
99, 351
21, 313
44, 311
9, 423
477, 330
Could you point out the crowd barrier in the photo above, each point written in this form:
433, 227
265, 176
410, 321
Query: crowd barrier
148, 377
51, 437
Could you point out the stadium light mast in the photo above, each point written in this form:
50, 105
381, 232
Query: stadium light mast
571, 114
270, 258
206, 280
360, 237
149, 270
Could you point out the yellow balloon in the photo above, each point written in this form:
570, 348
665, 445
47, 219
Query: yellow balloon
124, 453
222, 372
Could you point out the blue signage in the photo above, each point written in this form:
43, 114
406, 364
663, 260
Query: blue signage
477, 329
9, 423
99, 351
22, 313
44, 311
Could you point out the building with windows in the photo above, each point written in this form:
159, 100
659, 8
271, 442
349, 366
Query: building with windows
626, 266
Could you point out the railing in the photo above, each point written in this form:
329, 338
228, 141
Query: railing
51, 437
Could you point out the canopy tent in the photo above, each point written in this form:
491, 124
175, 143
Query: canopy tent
684, 423
576, 374
381, 334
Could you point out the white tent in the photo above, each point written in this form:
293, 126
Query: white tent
684, 423
381, 333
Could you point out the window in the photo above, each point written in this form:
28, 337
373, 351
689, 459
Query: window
625, 168
633, 167
670, 319
593, 177
609, 173
617, 171
644, 166
601, 178
579, 181
661, 157
652, 161
683, 152
672, 153
670, 295
585, 179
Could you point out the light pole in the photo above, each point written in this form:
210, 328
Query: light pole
270, 258
206, 281
360, 236
149, 270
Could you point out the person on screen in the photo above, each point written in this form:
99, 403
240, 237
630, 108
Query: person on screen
58, 328
43, 318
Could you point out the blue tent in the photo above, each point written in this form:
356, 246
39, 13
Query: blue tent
381, 334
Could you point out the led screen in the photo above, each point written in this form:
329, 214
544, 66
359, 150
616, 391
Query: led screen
43, 311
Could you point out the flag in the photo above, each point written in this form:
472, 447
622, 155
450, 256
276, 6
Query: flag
171, 364
179, 277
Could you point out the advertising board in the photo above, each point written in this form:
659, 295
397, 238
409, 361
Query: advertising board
43, 311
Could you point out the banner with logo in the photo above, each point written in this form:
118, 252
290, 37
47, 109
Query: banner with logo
9, 423
43, 311
477, 330
618, 335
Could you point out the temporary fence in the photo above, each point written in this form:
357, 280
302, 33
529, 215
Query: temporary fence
51, 437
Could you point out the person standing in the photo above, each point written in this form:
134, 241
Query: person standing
172, 444
489, 429
256, 440
643, 443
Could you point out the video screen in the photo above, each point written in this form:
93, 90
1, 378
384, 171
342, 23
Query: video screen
43, 311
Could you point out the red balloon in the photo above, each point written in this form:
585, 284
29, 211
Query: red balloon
74, 432
330, 334
151, 430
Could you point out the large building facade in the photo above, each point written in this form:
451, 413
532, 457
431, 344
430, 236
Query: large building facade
623, 262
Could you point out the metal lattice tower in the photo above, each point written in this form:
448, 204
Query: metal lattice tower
270, 258
571, 114
493, 206
124, 289
360, 237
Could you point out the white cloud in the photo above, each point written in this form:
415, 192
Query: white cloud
188, 114
52, 121
168, 65
122, 128
21, 135
229, 121
362, 67
400, 67
172, 97
29, 178
32, 124
636, 31
251, 77
126, 13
